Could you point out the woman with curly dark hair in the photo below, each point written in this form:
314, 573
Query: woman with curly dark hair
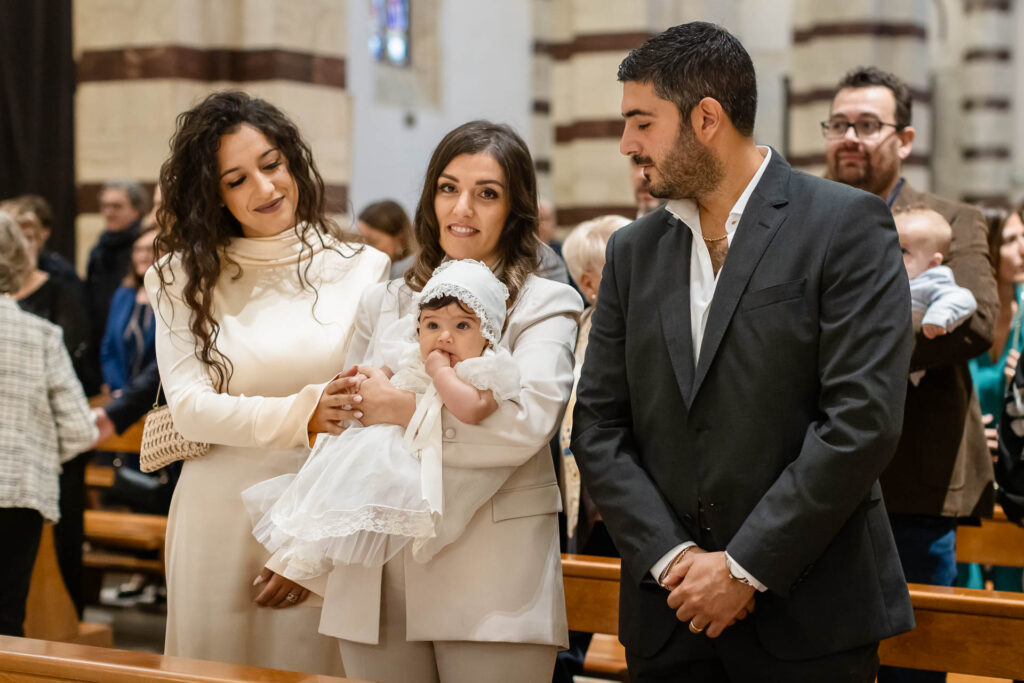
255, 299
489, 606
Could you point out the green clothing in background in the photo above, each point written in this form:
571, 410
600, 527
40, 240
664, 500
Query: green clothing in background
989, 380
990, 383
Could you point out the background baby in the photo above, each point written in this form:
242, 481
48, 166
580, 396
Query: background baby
936, 299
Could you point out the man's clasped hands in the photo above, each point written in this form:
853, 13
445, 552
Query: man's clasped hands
703, 592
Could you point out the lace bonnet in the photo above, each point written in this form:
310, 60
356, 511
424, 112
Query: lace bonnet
472, 283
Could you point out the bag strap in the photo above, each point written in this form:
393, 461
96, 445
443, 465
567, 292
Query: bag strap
156, 401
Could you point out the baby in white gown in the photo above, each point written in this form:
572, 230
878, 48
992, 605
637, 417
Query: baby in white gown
365, 494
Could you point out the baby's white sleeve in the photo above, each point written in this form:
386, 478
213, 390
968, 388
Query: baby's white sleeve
495, 371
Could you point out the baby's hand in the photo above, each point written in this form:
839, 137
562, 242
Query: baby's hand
350, 383
933, 331
436, 360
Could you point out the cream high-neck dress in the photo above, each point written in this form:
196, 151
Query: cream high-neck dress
283, 349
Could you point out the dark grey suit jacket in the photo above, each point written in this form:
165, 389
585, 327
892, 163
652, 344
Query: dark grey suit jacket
770, 445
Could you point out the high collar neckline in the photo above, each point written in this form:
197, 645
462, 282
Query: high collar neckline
283, 248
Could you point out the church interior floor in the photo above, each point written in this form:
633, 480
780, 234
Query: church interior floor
139, 628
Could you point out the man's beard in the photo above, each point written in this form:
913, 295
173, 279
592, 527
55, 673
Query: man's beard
689, 171
866, 177
859, 177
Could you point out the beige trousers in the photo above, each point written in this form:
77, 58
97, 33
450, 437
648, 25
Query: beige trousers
397, 660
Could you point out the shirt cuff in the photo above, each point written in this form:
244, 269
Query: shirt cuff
742, 573
660, 565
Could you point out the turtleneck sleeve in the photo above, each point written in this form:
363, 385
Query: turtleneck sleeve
285, 343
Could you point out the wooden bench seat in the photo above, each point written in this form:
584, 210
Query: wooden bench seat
959, 630
126, 529
23, 660
106, 529
109, 530
49, 612
99, 476
129, 442
997, 541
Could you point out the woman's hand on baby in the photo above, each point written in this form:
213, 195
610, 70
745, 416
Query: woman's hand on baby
933, 331
436, 360
336, 404
278, 592
380, 402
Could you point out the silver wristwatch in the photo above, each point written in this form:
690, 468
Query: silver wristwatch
734, 575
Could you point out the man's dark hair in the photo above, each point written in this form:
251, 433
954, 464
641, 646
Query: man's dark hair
871, 76
692, 61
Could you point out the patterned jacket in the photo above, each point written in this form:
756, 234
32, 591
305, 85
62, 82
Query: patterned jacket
44, 417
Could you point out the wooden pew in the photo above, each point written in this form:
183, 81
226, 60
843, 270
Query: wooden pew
23, 660
49, 612
129, 442
997, 541
961, 630
125, 530
592, 606
958, 629
121, 530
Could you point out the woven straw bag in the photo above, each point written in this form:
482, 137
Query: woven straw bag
162, 444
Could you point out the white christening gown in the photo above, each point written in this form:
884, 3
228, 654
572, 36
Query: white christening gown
366, 493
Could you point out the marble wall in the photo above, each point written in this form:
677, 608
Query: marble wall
545, 66
141, 62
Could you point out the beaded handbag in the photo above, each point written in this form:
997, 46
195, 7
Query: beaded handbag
162, 444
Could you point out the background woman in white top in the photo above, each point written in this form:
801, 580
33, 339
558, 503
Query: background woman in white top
255, 305
489, 606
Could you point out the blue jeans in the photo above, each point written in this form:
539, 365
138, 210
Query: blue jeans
927, 548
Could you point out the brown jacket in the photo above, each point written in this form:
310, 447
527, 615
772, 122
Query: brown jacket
942, 465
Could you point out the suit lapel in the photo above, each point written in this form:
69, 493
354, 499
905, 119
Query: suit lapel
762, 217
674, 305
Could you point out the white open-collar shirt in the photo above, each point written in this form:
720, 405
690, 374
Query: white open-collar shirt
703, 281
702, 276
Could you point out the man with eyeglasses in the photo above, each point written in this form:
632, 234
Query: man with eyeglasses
942, 469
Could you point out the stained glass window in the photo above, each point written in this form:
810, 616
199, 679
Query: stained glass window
389, 31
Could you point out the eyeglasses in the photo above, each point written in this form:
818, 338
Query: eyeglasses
865, 129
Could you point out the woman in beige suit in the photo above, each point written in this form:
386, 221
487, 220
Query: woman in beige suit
489, 607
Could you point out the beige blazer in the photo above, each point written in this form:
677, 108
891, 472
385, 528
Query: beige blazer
502, 579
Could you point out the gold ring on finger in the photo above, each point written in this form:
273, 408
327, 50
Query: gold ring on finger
696, 630
294, 598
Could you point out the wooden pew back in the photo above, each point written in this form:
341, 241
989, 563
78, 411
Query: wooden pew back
959, 630
121, 530
23, 660
997, 541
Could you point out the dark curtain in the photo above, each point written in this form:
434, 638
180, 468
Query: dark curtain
37, 88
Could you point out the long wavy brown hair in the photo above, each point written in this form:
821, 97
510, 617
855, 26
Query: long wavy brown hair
518, 242
195, 226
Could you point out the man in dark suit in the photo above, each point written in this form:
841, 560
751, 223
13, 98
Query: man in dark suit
942, 469
123, 204
742, 391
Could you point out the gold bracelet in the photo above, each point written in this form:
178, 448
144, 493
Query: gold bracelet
673, 563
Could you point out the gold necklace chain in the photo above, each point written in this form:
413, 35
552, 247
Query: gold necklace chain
714, 239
